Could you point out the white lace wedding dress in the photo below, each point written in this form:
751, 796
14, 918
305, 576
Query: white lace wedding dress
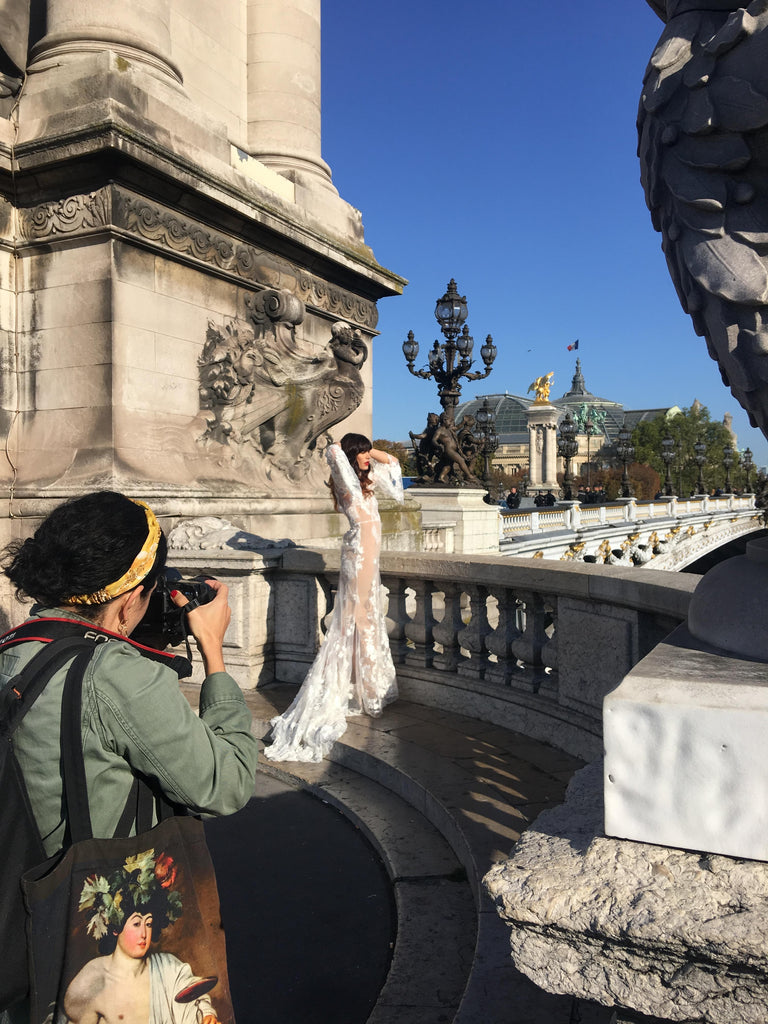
353, 673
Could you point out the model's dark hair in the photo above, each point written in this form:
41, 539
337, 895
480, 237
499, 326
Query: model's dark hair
353, 445
83, 545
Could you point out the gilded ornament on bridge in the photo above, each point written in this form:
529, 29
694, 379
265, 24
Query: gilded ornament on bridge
541, 386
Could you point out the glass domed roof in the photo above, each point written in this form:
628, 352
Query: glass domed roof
509, 410
512, 422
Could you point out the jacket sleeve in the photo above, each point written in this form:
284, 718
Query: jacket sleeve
205, 763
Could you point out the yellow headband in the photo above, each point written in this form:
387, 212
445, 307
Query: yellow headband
140, 566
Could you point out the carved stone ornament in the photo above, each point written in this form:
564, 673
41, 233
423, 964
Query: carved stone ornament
210, 533
73, 215
229, 255
265, 389
179, 237
703, 127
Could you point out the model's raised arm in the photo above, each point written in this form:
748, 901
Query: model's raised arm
380, 456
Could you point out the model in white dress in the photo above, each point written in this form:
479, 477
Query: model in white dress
353, 673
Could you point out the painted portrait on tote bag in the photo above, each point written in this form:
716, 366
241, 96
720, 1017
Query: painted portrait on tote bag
129, 931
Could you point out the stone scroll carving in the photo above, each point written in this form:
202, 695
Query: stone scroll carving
703, 138
211, 533
265, 389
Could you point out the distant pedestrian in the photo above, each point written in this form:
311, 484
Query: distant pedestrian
513, 499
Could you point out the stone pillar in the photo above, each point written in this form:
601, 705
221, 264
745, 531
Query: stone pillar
542, 450
284, 88
139, 30
476, 523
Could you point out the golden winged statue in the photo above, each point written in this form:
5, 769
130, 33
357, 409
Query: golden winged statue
541, 386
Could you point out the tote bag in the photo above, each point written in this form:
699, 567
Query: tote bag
129, 924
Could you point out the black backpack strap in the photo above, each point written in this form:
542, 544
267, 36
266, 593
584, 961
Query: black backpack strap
23, 689
72, 761
141, 801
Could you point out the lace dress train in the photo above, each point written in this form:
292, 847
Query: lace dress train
353, 672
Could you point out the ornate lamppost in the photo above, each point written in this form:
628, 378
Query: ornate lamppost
485, 418
567, 446
700, 457
746, 465
668, 457
626, 452
589, 426
727, 463
441, 450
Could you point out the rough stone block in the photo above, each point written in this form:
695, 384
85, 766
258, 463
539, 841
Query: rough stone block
668, 933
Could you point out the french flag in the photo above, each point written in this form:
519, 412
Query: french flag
574, 345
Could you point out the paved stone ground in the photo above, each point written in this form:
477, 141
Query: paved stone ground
438, 798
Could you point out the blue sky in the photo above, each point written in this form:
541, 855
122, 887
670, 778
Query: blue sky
495, 143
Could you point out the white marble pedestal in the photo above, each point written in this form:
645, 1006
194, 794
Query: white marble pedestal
476, 522
685, 740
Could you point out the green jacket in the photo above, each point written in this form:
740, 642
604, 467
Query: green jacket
135, 718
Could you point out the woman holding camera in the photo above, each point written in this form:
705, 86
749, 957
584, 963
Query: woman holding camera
96, 560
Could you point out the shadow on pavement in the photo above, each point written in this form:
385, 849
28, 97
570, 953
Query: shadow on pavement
307, 908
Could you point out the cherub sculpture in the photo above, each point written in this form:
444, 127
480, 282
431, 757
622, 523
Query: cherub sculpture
444, 453
541, 386
423, 449
451, 461
703, 146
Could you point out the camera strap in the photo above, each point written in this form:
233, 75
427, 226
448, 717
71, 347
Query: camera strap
44, 630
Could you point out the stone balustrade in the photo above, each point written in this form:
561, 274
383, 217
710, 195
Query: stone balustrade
572, 515
666, 533
530, 646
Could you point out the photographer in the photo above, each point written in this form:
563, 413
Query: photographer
97, 559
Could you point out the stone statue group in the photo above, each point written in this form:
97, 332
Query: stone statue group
445, 451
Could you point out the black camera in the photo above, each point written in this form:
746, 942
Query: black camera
165, 625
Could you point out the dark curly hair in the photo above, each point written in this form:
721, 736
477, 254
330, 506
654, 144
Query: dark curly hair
83, 545
156, 905
353, 445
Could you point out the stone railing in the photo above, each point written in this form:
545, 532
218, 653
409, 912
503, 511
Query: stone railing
531, 646
572, 515
663, 534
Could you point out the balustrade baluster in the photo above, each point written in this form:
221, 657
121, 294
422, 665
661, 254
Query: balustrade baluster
472, 637
548, 683
501, 639
397, 617
419, 629
530, 647
446, 632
